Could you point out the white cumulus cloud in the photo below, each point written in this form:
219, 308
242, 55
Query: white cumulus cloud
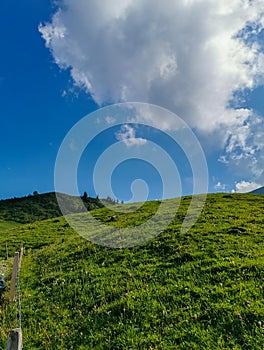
194, 57
246, 186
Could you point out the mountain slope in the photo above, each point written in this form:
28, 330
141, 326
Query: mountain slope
202, 289
258, 191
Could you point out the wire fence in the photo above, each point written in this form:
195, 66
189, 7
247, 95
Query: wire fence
15, 341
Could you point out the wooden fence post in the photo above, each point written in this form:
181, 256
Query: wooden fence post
15, 341
20, 256
14, 276
6, 246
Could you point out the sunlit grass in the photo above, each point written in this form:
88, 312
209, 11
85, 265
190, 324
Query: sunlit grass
197, 290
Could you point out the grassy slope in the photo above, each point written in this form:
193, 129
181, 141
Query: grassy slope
179, 291
7, 225
40, 207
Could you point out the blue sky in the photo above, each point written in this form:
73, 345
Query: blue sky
200, 60
34, 115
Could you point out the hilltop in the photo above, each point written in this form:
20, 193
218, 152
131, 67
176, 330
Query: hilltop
42, 206
197, 290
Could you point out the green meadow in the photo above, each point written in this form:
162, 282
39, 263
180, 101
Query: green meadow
201, 289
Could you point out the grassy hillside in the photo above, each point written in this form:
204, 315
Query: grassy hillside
198, 290
40, 207
7, 225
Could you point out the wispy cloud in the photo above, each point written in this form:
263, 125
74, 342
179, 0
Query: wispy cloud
244, 150
110, 120
220, 186
127, 134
